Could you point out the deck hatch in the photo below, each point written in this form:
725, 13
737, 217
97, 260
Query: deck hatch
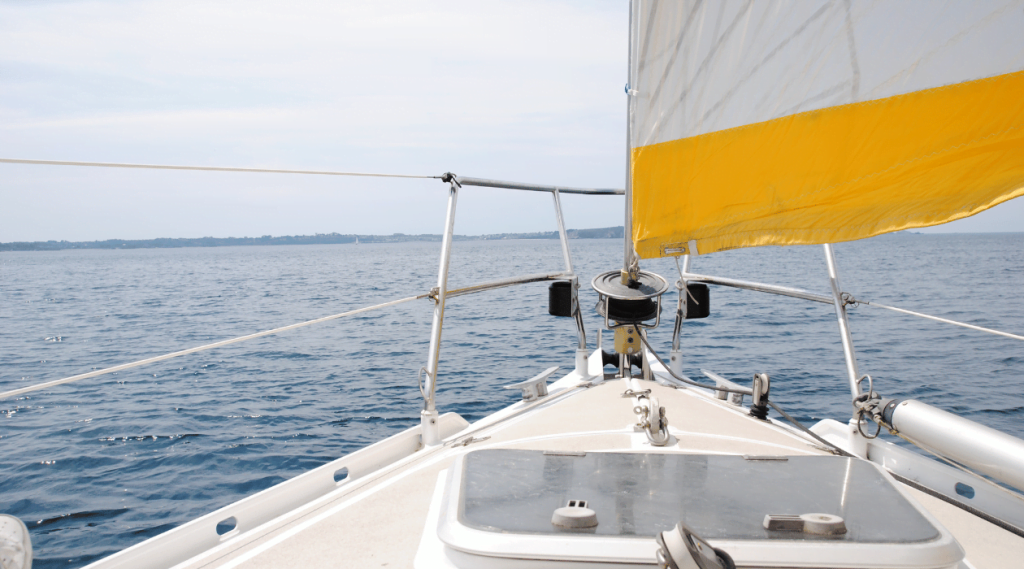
720, 497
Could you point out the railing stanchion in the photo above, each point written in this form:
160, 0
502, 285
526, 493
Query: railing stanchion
676, 355
852, 371
582, 357
563, 236
857, 444
428, 417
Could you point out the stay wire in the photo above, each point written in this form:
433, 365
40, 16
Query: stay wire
210, 168
74, 378
937, 319
829, 446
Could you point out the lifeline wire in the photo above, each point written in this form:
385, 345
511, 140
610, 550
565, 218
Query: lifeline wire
799, 425
73, 378
207, 168
937, 319
806, 295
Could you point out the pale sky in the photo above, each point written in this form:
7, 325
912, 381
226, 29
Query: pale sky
525, 91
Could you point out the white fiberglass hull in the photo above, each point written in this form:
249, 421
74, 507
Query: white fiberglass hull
382, 509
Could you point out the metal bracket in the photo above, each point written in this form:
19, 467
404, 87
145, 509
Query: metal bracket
602, 304
669, 381
535, 387
871, 405
468, 441
653, 421
734, 398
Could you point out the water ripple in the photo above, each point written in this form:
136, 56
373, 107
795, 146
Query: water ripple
102, 464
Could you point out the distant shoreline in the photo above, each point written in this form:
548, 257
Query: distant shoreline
317, 239
338, 239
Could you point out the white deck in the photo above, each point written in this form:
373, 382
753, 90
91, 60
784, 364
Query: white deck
376, 518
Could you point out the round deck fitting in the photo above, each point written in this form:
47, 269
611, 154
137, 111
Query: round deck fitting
628, 310
625, 303
574, 517
648, 285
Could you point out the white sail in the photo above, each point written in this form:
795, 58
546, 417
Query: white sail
847, 115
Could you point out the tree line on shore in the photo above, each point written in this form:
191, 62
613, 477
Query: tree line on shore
316, 239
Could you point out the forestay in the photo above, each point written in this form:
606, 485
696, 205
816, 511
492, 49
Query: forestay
783, 123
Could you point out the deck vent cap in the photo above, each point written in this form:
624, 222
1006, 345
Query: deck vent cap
575, 515
816, 524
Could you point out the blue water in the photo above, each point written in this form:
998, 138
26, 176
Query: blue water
96, 466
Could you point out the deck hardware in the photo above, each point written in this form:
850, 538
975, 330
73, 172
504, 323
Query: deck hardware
468, 441
732, 392
631, 393
766, 457
624, 304
564, 453
626, 341
227, 526
783, 522
652, 420
582, 355
815, 524
759, 396
698, 301
341, 474
628, 299
702, 307
16, 542
668, 381
869, 404
839, 303
574, 515
964, 490
680, 548
535, 387
561, 300
419, 379
429, 435
613, 359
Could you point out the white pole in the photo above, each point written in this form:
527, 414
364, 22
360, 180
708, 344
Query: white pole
582, 358
566, 256
986, 450
852, 372
428, 417
676, 355
627, 228
222, 343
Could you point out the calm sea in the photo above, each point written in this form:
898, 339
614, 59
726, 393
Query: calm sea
99, 465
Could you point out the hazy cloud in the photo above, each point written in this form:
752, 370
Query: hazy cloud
523, 90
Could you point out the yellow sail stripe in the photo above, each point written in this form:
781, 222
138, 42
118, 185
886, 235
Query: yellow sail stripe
834, 174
